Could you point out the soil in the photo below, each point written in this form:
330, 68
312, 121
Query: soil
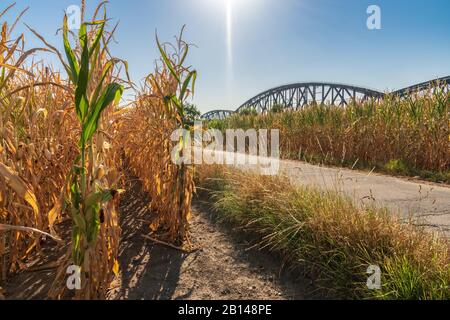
220, 268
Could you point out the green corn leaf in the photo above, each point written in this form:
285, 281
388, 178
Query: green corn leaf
93, 226
98, 197
194, 80
76, 246
184, 56
192, 76
112, 93
94, 60
78, 219
173, 99
179, 106
75, 194
168, 105
95, 230
82, 106
97, 39
73, 64
167, 60
82, 35
81, 101
97, 91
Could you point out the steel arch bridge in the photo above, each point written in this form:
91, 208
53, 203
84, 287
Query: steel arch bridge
217, 114
299, 95
425, 86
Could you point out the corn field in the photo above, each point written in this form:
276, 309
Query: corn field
61, 157
71, 143
409, 135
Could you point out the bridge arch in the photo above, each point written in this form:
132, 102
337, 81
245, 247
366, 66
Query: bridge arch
298, 95
424, 86
217, 114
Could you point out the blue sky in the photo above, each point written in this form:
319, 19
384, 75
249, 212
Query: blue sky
274, 42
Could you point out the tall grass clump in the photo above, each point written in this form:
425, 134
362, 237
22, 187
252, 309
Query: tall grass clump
408, 136
160, 111
325, 235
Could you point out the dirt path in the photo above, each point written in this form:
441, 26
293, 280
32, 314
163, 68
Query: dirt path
222, 268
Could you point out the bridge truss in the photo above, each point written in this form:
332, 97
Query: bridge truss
299, 95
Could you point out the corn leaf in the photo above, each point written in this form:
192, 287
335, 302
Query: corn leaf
19, 186
167, 60
106, 69
112, 93
192, 76
5, 227
73, 64
81, 101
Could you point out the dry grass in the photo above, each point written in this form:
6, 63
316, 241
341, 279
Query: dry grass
330, 238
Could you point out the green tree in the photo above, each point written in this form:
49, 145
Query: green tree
191, 114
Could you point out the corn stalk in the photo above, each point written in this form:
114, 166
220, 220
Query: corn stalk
90, 198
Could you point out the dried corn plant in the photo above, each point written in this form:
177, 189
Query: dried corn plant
148, 128
59, 159
91, 191
36, 147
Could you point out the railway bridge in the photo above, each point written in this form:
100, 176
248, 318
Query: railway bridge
298, 95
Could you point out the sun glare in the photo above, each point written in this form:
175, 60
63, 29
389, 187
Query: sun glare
229, 12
